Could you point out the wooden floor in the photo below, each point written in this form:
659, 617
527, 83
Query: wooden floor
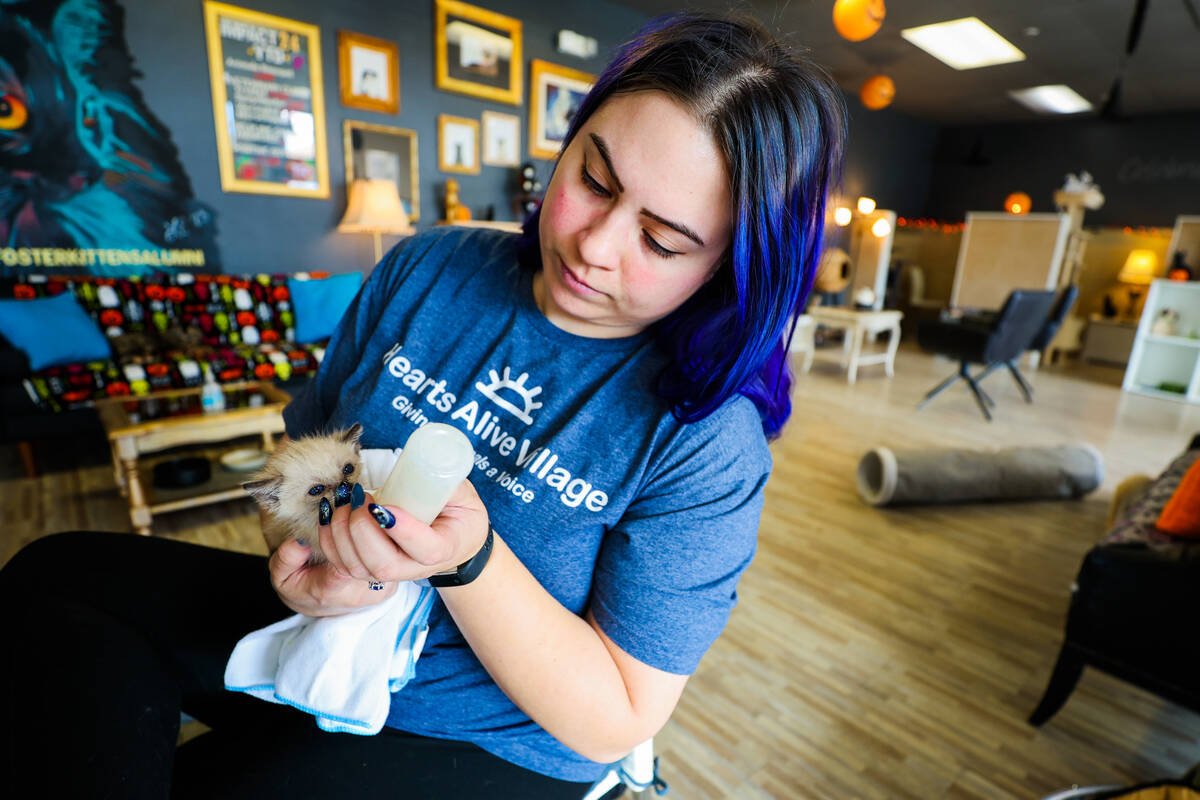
873, 654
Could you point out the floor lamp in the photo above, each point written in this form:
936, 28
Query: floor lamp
374, 207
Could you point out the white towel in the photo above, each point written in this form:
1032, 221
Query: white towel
340, 669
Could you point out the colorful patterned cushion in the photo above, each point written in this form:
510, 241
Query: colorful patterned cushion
1138, 524
165, 327
1181, 515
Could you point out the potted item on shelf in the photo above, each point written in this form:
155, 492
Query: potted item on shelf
1166, 323
1179, 270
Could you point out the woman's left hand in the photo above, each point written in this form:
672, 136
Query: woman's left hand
383, 543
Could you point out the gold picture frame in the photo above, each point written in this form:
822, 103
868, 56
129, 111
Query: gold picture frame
281, 147
500, 139
458, 144
383, 151
478, 52
368, 72
554, 94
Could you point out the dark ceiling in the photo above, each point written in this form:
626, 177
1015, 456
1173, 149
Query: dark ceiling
1078, 42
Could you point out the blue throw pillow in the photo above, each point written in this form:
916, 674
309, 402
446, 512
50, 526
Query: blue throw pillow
319, 304
52, 331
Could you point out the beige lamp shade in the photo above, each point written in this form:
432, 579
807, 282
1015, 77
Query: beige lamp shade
374, 207
1139, 268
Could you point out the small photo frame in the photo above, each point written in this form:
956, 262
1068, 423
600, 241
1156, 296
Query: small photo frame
478, 52
369, 72
381, 151
555, 94
501, 139
458, 144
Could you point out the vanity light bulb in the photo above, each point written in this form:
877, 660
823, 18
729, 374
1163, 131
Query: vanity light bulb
842, 216
865, 205
881, 228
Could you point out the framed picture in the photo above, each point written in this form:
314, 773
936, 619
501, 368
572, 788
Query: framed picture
268, 102
555, 93
478, 52
368, 72
501, 139
458, 144
381, 151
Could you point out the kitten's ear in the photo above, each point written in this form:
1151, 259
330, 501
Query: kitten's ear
265, 491
353, 434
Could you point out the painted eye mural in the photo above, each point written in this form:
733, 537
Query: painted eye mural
12, 112
90, 179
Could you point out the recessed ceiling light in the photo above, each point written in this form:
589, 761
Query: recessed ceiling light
1053, 99
963, 43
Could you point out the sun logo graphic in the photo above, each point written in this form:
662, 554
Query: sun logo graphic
505, 381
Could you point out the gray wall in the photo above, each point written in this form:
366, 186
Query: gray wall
268, 233
1147, 167
889, 157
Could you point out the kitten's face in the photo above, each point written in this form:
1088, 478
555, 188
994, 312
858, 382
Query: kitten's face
297, 476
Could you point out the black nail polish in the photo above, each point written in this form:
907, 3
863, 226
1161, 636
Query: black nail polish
341, 495
325, 512
357, 496
382, 515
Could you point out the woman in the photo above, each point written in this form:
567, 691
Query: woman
618, 369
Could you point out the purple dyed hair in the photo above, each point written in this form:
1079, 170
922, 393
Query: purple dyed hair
780, 123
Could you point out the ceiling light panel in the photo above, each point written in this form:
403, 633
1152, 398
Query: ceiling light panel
963, 43
1052, 99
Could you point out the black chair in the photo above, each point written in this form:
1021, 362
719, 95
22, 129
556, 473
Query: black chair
986, 340
1066, 300
1129, 617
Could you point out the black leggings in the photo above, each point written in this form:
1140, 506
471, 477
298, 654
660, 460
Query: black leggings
112, 635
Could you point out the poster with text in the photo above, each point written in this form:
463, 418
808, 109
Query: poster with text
267, 102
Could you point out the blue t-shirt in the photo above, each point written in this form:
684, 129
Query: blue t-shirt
611, 502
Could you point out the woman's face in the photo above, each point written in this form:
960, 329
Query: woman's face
635, 219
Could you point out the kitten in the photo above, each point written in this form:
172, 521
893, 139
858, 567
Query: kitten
290, 486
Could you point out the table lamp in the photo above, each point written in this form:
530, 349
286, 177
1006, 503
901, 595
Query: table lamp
374, 207
1137, 274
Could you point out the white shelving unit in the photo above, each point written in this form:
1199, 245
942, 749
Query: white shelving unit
1157, 359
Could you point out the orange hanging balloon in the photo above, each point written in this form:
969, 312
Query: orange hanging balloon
1018, 203
858, 19
878, 92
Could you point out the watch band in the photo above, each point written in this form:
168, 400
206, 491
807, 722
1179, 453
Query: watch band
468, 570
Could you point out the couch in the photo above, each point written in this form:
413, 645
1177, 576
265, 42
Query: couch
163, 332
1132, 600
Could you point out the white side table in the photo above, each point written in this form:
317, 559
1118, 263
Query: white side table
1109, 341
803, 340
857, 325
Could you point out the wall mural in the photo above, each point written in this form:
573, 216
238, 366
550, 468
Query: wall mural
90, 180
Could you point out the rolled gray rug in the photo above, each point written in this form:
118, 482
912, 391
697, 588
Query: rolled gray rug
959, 476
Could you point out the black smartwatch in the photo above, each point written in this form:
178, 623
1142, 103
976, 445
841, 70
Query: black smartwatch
468, 570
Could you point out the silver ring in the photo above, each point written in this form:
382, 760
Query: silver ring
374, 585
